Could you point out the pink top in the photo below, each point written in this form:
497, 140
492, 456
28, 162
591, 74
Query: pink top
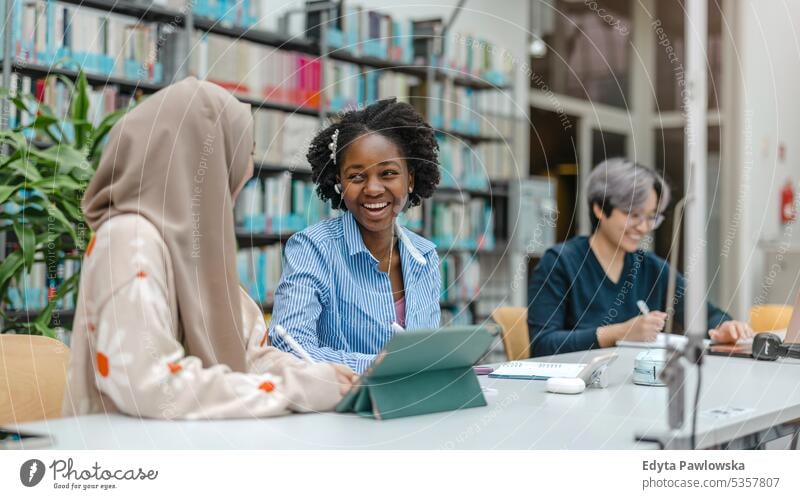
400, 311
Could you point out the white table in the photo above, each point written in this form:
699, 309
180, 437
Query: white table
519, 415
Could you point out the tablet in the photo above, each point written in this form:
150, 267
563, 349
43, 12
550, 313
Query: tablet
421, 372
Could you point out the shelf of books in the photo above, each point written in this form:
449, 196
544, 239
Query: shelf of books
242, 45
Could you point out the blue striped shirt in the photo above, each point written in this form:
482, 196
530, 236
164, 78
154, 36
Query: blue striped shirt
337, 303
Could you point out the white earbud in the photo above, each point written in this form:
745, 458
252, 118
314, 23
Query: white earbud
338, 188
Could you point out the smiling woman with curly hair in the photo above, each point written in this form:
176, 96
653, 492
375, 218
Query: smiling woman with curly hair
346, 280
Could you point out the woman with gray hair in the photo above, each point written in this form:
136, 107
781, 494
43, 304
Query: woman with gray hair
584, 292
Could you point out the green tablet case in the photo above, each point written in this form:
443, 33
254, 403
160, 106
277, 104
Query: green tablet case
421, 372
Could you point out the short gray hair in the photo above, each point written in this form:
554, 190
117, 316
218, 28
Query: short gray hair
619, 183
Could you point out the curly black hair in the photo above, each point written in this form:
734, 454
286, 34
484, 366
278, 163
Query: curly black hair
397, 121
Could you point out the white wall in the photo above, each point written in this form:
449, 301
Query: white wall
765, 86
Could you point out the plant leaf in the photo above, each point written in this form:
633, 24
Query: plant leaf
43, 122
55, 212
80, 110
62, 156
13, 138
58, 183
73, 210
27, 242
103, 128
6, 191
26, 168
42, 321
19, 103
10, 266
65, 80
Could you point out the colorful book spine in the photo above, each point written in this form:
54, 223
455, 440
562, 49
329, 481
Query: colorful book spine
463, 226
47, 32
342, 90
231, 12
463, 166
372, 33
258, 72
460, 277
471, 55
259, 271
37, 286
283, 139
278, 205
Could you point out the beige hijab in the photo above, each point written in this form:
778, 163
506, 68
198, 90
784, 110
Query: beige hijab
176, 159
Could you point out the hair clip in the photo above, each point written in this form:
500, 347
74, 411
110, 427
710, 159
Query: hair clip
333, 144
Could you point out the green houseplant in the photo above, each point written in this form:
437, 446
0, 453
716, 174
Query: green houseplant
42, 181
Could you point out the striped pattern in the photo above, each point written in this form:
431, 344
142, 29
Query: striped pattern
334, 300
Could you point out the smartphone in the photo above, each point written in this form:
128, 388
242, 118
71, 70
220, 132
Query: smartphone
14, 440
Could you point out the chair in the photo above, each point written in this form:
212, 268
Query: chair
514, 322
33, 373
770, 317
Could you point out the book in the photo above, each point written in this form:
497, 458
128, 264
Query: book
463, 166
370, 33
259, 271
283, 139
243, 13
256, 71
536, 370
47, 32
467, 54
460, 277
278, 204
463, 226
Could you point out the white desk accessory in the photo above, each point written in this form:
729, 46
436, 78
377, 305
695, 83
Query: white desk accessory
648, 366
568, 386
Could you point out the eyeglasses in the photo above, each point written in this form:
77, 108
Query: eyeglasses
652, 221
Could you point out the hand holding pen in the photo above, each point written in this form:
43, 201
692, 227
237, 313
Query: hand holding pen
644, 327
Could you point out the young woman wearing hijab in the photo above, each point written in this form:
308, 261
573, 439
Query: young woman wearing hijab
162, 327
347, 279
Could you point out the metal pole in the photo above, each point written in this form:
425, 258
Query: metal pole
323, 55
669, 306
429, 79
188, 38
5, 109
7, 62
456, 11
696, 33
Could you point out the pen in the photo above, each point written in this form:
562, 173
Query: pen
643, 308
293, 344
397, 328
